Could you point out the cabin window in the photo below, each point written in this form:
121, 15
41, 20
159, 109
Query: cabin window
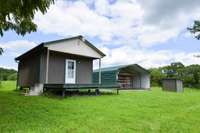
70, 69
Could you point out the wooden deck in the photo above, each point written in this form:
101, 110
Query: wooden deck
79, 86
71, 87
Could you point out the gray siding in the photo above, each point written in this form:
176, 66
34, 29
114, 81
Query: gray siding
43, 66
32, 69
57, 68
169, 85
29, 70
172, 85
84, 71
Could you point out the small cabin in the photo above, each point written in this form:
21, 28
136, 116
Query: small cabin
126, 76
65, 61
172, 84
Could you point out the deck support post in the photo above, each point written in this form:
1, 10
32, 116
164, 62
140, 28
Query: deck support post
100, 71
97, 91
47, 67
17, 82
89, 91
63, 93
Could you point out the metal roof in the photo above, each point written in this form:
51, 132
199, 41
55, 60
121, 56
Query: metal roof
40, 46
136, 67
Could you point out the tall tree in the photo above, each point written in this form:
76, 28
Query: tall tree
18, 15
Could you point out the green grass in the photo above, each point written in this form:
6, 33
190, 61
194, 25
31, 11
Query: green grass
130, 111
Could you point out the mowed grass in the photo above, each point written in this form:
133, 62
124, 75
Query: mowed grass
130, 111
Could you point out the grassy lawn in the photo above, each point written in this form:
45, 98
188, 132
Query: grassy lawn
130, 111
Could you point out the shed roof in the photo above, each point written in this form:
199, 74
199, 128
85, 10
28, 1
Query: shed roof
43, 44
136, 67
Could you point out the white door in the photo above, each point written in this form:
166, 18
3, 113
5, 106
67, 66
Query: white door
70, 71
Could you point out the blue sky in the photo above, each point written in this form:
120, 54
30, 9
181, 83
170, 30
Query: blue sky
150, 33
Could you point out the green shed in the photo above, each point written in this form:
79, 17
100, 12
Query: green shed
126, 76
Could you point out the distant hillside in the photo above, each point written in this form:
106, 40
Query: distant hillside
8, 74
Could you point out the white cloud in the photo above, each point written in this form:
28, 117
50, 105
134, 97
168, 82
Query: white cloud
102, 7
164, 20
146, 58
106, 21
145, 22
130, 25
13, 45
15, 48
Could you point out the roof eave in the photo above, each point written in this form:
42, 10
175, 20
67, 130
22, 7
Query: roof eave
40, 46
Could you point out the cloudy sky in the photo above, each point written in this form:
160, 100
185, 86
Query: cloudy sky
151, 33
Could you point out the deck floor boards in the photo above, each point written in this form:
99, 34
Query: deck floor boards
79, 86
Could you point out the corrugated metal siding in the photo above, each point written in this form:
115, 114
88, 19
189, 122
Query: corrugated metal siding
139, 81
107, 78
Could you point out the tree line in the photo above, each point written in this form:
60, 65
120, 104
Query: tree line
7, 74
189, 74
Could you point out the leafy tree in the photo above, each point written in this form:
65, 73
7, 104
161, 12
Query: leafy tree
1, 51
18, 15
194, 71
12, 76
189, 74
7, 74
156, 76
174, 70
195, 29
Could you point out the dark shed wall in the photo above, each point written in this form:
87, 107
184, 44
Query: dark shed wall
29, 69
57, 68
169, 84
172, 85
43, 66
107, 77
